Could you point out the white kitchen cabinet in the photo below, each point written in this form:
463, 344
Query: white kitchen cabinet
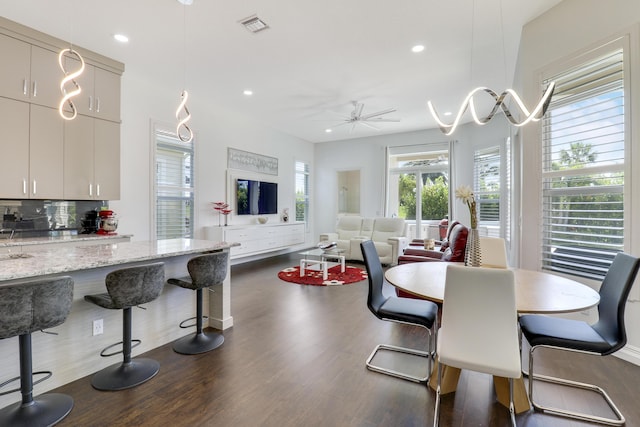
32, 74
46, 154
32, 144
91, 159
100, 96
14, 122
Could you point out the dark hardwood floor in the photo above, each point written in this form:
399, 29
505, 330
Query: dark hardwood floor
295, 357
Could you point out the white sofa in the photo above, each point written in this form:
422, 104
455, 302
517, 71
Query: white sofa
387, 235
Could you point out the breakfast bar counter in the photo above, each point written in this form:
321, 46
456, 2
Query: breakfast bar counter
74, 352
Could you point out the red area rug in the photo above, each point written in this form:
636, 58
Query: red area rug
314, 278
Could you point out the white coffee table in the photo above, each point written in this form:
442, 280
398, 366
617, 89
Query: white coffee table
319, 260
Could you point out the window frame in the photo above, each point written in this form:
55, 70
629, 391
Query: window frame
158, 132
619, 43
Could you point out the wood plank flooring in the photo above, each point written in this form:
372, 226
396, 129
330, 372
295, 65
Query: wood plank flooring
295, 357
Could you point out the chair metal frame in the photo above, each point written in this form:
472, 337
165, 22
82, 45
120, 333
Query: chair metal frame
570, 383
367, 246
429, 354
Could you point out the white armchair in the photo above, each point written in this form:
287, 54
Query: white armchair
387, 235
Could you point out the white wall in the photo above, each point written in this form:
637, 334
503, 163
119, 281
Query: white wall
575, 26
216, 129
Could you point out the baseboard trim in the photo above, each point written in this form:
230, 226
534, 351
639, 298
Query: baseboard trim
629, 353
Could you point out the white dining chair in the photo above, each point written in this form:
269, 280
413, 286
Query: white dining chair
494, 252
479, 326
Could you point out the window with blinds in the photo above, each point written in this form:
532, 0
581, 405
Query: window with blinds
302, 191
174, 187
491, 187
583, 168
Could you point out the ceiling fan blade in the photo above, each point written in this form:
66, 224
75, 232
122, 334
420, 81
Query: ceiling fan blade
380, 119
370, 126
379, 113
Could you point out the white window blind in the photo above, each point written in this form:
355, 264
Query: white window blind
486, 164
583, 168
302, 191
174, 187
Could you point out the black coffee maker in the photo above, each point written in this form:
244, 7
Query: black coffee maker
90, 223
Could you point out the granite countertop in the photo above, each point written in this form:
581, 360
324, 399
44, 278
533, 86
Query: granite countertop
52, 259
59, 239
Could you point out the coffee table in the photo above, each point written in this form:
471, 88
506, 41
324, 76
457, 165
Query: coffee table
319, 260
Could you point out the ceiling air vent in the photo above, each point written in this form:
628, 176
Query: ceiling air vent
254, 24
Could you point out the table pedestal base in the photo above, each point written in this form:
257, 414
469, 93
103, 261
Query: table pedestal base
449, 383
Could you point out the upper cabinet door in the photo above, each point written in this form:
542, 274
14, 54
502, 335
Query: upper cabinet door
15, 69
107, 95
46, 76
100, 96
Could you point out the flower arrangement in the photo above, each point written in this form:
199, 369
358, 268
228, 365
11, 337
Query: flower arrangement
223, 209
465, 193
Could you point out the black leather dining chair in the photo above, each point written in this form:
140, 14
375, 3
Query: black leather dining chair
402, 310
604, 337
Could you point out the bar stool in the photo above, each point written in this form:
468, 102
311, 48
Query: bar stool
204, 271
128, 287
25, 308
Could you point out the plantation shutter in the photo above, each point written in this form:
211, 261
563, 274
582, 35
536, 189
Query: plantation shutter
583, 168
174, 187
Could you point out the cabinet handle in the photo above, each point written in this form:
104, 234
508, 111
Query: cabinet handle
90, 103
24, 87
90, 189
98, 190
35, 88
97, 104
34, 187
24, 186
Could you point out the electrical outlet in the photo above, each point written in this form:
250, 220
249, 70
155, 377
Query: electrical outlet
98, 327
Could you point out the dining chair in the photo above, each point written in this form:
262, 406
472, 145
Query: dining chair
494, 252
402, 310
604, 337
479, 326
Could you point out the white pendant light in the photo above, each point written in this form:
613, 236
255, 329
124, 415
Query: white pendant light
527, 116
184, 132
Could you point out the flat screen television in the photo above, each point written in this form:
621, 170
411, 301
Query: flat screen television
256, 197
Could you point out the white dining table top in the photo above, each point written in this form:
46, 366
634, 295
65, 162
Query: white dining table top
536, 291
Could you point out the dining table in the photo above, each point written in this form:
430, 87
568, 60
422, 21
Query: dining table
536, 292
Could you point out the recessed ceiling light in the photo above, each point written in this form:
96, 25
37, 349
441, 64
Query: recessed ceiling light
186, 2
248, 92
121, 38
417, 48
448, 113
328, 130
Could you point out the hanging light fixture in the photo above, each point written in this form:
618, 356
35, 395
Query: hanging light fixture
184, 132
500, 100
69, 77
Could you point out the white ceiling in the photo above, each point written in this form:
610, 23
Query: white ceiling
316, 57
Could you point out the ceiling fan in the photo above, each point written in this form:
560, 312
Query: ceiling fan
356, 117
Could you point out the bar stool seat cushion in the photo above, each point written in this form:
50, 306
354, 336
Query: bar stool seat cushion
204, 272
124, 288
27, 308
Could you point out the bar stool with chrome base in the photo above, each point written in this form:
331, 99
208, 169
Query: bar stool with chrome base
128, 287
25, 308
204, 271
